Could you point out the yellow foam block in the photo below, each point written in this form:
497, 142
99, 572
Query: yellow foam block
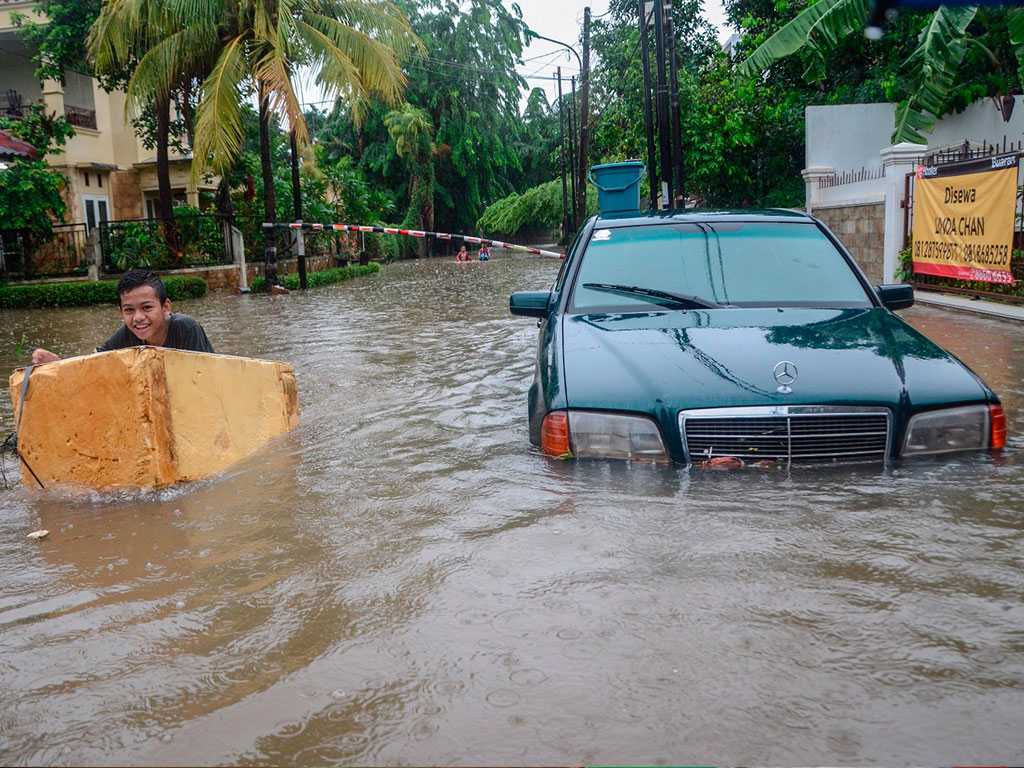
147, 417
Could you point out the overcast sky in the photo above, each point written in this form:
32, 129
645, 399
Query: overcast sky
563, 20
558, 19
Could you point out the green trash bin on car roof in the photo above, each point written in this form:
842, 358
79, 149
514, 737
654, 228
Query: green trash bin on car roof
618, 185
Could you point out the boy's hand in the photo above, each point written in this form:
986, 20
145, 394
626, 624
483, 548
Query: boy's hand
43, 356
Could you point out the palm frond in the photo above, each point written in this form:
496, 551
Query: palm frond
1015, 26
340, 49
273, 71
824, 22
160, 68
218, 130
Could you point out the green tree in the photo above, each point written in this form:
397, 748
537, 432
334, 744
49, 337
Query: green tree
60, 42
412, 132
120, 45
256, 46
537, 143
962, 53
29, 187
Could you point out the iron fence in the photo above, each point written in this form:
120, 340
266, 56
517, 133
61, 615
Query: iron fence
1013, 292
63, 255
184, 241
323, 243
851, 177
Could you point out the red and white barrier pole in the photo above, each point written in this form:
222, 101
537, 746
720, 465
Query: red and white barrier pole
412, 233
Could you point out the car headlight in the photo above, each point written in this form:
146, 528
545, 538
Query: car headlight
602, 435
951, 429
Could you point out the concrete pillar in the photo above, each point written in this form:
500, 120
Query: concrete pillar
236, 243
94, 254
53, 97
812, 183
192, 194
897, 161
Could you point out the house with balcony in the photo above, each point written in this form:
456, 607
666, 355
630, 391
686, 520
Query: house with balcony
111, 175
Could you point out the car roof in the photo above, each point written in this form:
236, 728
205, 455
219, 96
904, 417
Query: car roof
699, 215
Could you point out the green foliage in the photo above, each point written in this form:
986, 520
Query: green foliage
185, 287
29, 188
135, 244
905, 272
466, 83
323, 277
905, 264
59, 43
742, 139
946, 60
930, 72
80, 294
200, 238
538, 208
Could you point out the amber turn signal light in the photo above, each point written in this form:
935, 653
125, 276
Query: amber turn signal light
998, 426
554, 434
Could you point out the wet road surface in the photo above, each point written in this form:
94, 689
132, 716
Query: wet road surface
404, 580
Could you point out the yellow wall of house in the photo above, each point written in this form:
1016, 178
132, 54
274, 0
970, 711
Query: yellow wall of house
111, 147
25, 8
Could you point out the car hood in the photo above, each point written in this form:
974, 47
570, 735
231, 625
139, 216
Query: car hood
650, 361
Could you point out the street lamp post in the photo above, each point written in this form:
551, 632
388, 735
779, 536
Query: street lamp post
581, 181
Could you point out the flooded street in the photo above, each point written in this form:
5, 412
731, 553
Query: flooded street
405, 580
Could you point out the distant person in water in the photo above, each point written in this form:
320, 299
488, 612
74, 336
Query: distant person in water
484, 253
463, 255
146, 311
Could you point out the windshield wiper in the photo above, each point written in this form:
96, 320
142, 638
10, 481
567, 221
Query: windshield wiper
689, 302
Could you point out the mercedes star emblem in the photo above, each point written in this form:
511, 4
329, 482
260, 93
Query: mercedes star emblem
785, 374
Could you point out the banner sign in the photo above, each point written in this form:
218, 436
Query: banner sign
964, 219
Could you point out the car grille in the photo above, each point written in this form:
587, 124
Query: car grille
787, 433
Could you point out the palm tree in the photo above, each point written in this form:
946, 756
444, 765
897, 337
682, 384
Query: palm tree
931, 71
412, 131
256, 46
119, 41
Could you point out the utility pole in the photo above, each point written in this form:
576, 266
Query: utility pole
561, 146
572, 152
676, 118
571, 117
645, 59
300, 243
581, 211
661, 104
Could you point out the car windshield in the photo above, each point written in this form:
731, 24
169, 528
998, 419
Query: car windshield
729, 263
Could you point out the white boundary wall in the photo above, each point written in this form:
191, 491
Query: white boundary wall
855, 139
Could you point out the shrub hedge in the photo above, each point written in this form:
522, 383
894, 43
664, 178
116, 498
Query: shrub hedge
323, 277
79, 294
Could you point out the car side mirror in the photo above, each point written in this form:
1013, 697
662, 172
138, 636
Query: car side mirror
529, 303
896, 296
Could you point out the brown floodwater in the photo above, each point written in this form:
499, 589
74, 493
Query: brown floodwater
404, 580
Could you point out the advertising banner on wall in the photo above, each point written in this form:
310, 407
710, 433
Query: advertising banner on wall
964, 219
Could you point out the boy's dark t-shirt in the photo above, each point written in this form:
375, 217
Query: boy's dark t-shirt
183, 332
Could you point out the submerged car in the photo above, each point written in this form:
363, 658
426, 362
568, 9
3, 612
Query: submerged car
697, 337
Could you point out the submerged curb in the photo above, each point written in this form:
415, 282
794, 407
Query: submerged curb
978, 306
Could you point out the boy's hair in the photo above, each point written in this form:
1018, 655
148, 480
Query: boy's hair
136, 278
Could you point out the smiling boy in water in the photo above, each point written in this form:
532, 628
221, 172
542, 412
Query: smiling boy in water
148, 320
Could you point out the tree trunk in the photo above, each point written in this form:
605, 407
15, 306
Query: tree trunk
269, 200
165, 201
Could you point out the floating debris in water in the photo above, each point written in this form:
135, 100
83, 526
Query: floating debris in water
722, 462
42, 533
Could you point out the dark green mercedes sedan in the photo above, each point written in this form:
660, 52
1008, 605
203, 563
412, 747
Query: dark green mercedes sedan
739, 337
